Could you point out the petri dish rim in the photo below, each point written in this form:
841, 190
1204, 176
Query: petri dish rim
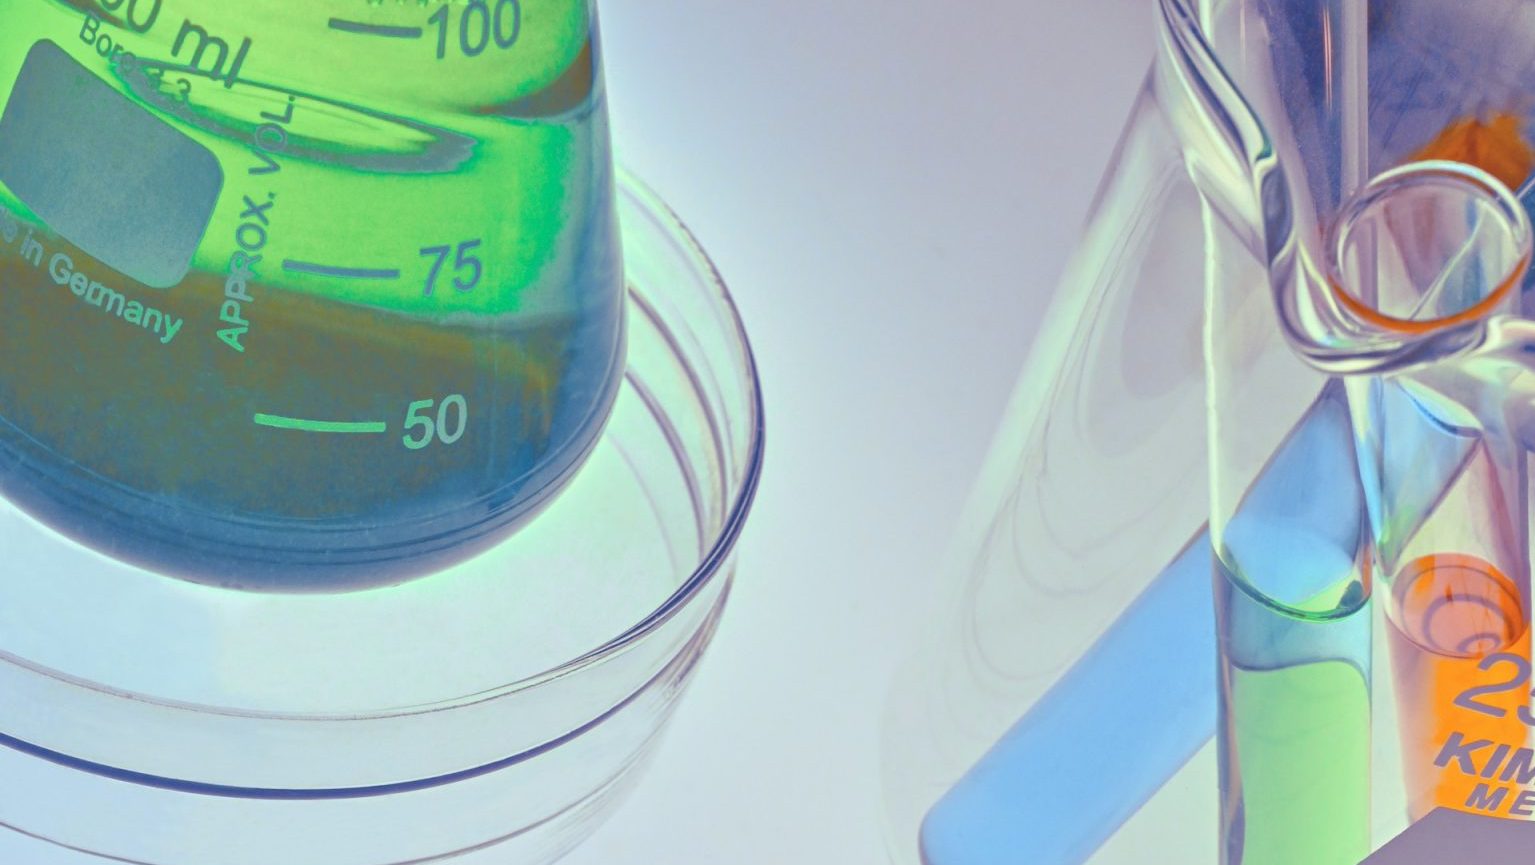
667, 227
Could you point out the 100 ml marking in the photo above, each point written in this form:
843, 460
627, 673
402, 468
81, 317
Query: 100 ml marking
480, 26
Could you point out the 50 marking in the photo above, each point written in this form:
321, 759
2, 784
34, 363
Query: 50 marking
422, 427
1470, 698
478, 26
447, 428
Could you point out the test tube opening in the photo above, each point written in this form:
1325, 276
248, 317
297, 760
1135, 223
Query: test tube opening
1429, 246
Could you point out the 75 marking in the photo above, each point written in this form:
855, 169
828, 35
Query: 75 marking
467, 268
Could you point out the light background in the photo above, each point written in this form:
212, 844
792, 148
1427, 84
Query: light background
891, 188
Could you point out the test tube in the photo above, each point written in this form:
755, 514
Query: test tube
1082, 761
1423, 250
1044, 788
1292, 591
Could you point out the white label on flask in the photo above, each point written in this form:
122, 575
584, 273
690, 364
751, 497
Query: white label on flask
102, 171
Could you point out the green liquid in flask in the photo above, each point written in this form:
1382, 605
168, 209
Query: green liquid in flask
301, 295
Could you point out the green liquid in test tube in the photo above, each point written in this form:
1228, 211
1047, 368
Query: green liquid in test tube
1296, 737
301, 295
1293, 624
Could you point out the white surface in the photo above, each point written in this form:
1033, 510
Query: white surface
891, 189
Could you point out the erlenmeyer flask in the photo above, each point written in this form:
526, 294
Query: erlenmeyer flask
1350, 461
302, 295
324, 300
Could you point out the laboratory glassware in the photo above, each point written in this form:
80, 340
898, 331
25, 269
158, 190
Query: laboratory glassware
1316, 197
359, 501
492, 712
302, 295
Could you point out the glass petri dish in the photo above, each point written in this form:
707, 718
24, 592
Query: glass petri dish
492, 712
